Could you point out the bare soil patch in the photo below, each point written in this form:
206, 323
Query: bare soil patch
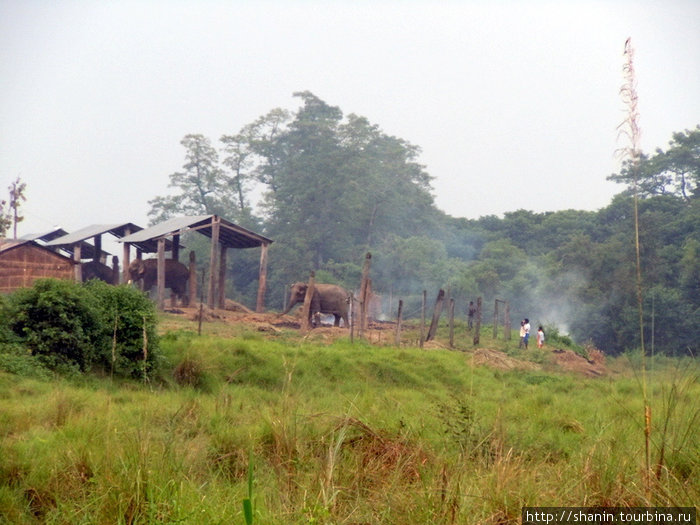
594, 366
501, 361
382, 332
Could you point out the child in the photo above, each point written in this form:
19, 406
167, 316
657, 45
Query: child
540, 337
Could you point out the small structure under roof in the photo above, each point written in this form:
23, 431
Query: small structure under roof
74, 243
224, 234
23, 261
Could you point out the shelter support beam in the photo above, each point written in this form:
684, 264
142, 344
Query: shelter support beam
262, 279
161, 274
213, 260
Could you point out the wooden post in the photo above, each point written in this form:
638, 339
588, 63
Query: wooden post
478, 321
213, 273
366, 303
436, 315
495, 319
126, 257
192, 298
352, 317
221, 298
161, 274
97, 241
78, 268
262, 279
175, 252
115, 270
422, 319
506, 323
397, 338
307, 302
364, 296
452, 322
175, 256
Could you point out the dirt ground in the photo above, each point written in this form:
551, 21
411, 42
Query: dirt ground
383, 333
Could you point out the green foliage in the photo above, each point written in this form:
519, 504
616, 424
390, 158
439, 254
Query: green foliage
675, 171
427, 437
335, 186
68, 326
128, 316
201, 184
15, 359
59, 322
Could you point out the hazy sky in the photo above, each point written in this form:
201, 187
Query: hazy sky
514, 104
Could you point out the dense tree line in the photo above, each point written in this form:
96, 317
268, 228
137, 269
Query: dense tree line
328, 188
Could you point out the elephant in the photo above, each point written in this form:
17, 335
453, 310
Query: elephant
97, 270
176, 275
327, 299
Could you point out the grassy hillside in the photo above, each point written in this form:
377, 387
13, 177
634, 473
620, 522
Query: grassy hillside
340, 432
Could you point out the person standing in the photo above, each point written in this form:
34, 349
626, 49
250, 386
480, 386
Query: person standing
526, 328
470, 315
540, 337
522, 334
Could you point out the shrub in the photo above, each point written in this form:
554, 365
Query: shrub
69, 326
5, 332
129, 320
15, 359
59, 322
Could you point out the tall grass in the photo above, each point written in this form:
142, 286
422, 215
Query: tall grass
339, 433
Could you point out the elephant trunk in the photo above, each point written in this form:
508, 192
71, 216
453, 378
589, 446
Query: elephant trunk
291, 304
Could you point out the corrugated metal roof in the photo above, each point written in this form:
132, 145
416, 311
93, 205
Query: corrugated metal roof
10, 244
230, 235
45, 236
118, 230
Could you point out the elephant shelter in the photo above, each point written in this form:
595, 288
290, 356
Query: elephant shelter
223, 235
79, 249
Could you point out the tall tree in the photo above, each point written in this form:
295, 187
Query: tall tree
201, 184
675, 171
304, 200
251, 157
5, 218
9, 210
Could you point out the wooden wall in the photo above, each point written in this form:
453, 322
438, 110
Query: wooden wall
23, 264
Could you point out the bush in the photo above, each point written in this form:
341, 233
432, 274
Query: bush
5, 332
129, 319
68, 325
59, 322
15, 359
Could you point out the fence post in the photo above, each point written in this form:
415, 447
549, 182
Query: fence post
364, 292
422, 320
478, 321
506, 323
437, 311
452, 322
305, 311
495, 319
398, 324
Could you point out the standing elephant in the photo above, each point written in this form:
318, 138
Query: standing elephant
97, 270
176, 275
327, 299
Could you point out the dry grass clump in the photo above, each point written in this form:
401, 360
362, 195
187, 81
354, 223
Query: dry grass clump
382, 456
189, 372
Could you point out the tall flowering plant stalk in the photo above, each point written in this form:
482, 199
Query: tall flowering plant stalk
630, 129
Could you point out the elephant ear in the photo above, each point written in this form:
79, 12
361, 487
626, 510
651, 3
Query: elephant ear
138, 267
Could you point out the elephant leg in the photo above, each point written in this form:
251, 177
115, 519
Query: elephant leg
337, 320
